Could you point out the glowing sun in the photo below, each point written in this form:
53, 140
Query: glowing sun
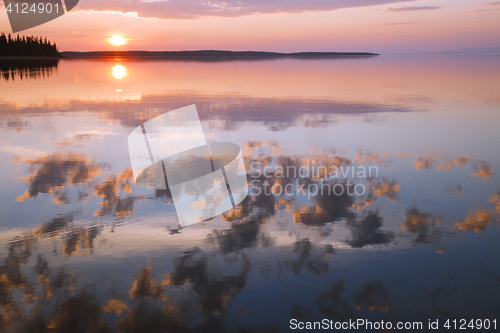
117, 40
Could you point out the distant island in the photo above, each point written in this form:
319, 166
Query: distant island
36, 47
27, 46
214, 55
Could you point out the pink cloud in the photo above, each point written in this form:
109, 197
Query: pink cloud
404, 9
183, 9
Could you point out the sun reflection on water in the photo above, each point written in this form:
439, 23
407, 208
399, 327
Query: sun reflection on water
119, 71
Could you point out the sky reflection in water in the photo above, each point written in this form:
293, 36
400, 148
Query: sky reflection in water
82, 245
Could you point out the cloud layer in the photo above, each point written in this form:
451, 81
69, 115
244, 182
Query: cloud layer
192, 9
404, 9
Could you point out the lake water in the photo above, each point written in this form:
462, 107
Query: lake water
85, 249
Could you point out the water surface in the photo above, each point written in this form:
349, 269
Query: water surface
84, 248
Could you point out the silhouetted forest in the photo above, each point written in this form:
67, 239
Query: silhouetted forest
27, 46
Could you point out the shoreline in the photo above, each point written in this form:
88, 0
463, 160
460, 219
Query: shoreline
29, 58
211, 55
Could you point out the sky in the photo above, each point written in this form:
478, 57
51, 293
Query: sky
381, 26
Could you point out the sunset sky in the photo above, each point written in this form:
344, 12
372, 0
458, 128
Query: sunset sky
383, 26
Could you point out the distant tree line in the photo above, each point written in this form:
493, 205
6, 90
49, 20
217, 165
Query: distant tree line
27, 46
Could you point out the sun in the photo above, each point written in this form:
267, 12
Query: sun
117, 40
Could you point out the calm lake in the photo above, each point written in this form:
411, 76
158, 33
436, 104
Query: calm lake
412, 142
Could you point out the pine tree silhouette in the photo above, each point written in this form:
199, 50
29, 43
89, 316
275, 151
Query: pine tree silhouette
27, 46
